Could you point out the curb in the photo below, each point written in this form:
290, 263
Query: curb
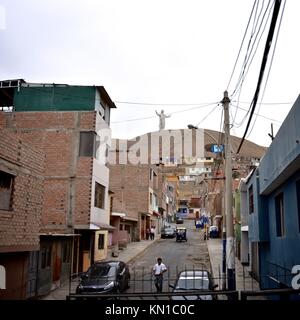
210, 260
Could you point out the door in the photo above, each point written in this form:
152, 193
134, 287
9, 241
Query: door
32, 274
56, 267
128, 229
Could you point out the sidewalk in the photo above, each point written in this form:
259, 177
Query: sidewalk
133, 250
243, 280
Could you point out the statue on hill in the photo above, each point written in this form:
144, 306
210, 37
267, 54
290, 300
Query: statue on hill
162, 119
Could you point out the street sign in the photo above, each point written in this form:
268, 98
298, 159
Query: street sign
217, 148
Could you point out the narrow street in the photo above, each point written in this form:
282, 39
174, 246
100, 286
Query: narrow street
177, 256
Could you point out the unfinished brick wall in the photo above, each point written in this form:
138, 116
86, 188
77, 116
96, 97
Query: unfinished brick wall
20, 226
130, 185
68, 177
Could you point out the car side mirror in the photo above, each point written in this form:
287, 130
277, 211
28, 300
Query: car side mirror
171, 286
83, 275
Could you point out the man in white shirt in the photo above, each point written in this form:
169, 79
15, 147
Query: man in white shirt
158, 270
152, 233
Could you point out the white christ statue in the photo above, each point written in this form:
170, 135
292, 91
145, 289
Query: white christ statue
162, 119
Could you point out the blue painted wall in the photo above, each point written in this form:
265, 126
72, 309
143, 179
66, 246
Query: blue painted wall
258, 220
278, 172
284, 149
280, 254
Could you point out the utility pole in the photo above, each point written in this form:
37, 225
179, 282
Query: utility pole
230, 252
271, 135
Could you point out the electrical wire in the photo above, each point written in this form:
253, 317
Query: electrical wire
260, 115
250, 48
263, 65
249, 65
270, 66
240, 49
152, 117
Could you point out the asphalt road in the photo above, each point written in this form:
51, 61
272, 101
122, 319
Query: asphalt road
177, 256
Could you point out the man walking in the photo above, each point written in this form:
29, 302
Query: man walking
152, 233
158, 270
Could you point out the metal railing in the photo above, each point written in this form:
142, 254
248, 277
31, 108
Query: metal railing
142, 286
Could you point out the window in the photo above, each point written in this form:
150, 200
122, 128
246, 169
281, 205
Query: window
87, 144
279, 211
99, 195
101, 242
251, 200
150, 198
298, 201
6, 190
151, 174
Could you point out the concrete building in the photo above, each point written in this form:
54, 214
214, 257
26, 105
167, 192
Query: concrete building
21, 199
67, 124
273, 196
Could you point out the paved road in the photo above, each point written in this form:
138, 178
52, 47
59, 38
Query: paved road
176, 255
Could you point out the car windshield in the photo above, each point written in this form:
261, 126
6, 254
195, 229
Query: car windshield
192, 284
101, 270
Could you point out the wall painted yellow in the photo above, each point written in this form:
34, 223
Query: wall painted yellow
100, 254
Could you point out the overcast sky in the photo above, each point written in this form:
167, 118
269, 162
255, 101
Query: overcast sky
160, 52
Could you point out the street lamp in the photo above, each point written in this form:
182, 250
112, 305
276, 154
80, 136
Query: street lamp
190, 126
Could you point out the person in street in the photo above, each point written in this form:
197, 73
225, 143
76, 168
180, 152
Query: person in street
152, 232
158, 270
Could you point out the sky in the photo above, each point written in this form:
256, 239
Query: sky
173, 55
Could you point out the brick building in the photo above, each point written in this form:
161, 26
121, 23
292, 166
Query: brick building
135, 201
68, 124
21, 198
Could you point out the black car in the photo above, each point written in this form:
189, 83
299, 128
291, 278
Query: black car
104, 277
195, 281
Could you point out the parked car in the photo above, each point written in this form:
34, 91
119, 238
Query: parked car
213, 232
193, 280
104, 277
168, 232
179, 221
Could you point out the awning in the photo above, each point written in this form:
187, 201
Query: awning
218, 216
101, 226
156, 213
118, 214
130, 219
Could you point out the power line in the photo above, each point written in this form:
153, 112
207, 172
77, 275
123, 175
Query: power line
205, 117
164, 104
250, 47
245, 72
263, 66
257, 114
237, 58
266, 103
271, 63
152, 117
